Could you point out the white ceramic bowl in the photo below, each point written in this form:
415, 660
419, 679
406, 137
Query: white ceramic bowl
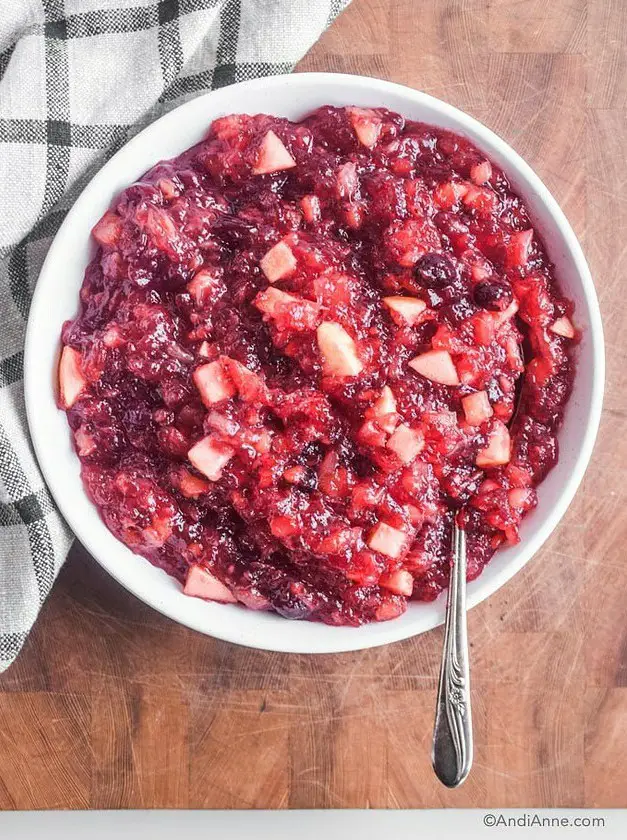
56, 298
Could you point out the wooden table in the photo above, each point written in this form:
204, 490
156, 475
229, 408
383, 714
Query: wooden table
113, 706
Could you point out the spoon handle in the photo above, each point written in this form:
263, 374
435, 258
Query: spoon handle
452, 733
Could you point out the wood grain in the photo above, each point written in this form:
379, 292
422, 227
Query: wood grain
112, 705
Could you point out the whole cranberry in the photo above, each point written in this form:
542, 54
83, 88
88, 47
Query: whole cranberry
435, 271
494, 295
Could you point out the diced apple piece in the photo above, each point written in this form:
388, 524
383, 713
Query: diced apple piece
253, 600
273, 156
416, 516
209, 458
228, 128
159, 530
213, 383
405, 241
519, 247
249, 385
159, 225
564, 327
204, 350
296, 475
366, 494
484, 327
386, 403
442, 420
221, 423
85, 442
269, 299
481, 199
310, 205
481, 173
387, 540
262, 441
514, 354
202, 584
354, 214
436, 365
367, 125
283, 527
205, 287
168, 188
107, 231
480, 271
113, 337
347, 181
406, 443
521, 498
289, 311
384, 410
477, 408
191, 486
519, 476
498, 450
339, 353
332, 477
448, 194
278, 263
371, 433
540, 369
389, 609
409, 308
400, 582
71, 379
506, 315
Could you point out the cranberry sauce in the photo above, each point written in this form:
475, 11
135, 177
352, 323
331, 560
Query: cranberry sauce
298, 353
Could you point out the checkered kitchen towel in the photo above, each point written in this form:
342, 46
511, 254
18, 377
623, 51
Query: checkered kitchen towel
77, 78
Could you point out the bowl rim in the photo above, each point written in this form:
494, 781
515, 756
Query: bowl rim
345, 639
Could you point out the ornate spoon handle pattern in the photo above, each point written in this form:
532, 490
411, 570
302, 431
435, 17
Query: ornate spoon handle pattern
452, 733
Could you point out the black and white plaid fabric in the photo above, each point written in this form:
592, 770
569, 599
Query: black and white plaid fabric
77, 78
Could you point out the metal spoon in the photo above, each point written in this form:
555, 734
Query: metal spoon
452, 734
452, 749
